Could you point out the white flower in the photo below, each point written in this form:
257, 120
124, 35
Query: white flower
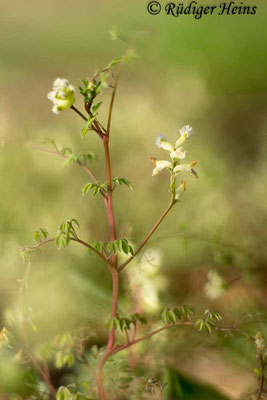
178, 154
180, 190
216, 285
186, 132
62, 95
160, 165
185, 168
161, 142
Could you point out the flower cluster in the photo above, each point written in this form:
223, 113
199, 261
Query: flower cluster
177, 153
62, 95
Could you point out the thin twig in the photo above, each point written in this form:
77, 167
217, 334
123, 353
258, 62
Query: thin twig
262, 377
78, 240
142, 244
116, 78
84, 166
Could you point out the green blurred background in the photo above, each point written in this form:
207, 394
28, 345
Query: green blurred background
209, 73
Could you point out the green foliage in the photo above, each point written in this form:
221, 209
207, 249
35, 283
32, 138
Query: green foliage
124, 323
24, 254
40, 235
59, 351
120, 245
114, 62
209, 322
70, 160
175, 314
122, 181
65, 233
114, 32
95, 187
99, 246
89, 156
87, 126
70, 393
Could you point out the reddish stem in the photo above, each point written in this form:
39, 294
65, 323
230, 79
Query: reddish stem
113, 270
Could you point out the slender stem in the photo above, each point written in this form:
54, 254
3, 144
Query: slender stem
84, 166
168, 326
78, 240
114, 270
92, 175
95, 125
262, 377
142, 244
115, 290
79, 113
43, 372
115, 89
109, 265
109, 204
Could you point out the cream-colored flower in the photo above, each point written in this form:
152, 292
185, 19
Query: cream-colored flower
161, 142
185, 168
160, 165
186, 133
178, 154
62, 95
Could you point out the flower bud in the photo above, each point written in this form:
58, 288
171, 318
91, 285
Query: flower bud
62, 95
180, 190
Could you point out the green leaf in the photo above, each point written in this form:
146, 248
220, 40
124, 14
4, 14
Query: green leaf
112, 323
171, 316
96, 107
50, 141
208, 326
178, 313
114, 62
99, 246
83, 158
76, 222
164, 315
24, 254
95, 187
87, 187
126, 248
44, 232
87, 126
37, 237
114, 32
65, 150
71, 159
123, 181
199, 324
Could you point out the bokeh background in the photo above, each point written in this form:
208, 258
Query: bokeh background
209, 73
